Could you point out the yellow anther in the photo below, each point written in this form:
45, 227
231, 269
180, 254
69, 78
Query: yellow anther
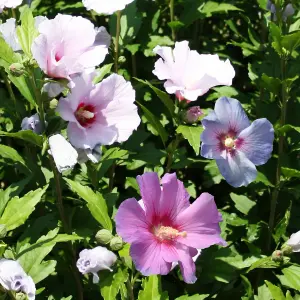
229, 142
168, 233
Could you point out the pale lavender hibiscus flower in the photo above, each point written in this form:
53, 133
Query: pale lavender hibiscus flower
236, 144
106, 7
99, 114
167, 229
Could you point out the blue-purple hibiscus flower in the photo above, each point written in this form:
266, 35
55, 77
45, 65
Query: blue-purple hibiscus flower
236, 144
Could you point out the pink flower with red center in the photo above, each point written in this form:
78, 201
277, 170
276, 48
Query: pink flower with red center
99, 114
68, 45
236, 144
166, 228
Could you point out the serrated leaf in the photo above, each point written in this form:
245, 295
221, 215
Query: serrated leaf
287, 128
272, 84
11, 154
27, 32
164, 97
192, 135
263, 179
26, 135
194, 297
110, 285
275, 291
290, 173
19, 209
102, 72
281, 227
264, 263
211, 7
242, 203
95, 203
290, 277
155, 123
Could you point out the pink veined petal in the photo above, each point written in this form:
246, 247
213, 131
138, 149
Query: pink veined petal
65, 110
131, 221
147, 256
77, 135
201, 223
93, 56
163, 66
186, 263
174, 197
40, 51
150, 191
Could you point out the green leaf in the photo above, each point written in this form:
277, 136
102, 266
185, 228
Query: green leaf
164, 97
31, 256
192, 134
263, 179
264, 263
11, 154
291, 41
152, 289
211, 7
194, 297
95, 203
263, 293
19, 209
276, 292
27, 31
272, 84
276, 37
155, 123
248, 287
7, 55
287, 128
290, 277
242, 203
280, 229
290, 173
106, 69
26, 135
110, 285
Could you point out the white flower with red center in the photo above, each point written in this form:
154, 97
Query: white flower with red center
106, 7
68, 45
99, 114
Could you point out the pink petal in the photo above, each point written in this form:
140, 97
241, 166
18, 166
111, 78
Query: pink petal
150, 192
175, 198
131, 221
186, 263
147, 255
201, 223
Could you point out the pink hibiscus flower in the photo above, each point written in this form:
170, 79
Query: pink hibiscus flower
167, 228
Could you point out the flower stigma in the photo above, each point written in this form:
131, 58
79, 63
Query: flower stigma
167, 233
229, 142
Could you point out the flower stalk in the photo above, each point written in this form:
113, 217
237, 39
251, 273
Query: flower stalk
117, 41
172, 15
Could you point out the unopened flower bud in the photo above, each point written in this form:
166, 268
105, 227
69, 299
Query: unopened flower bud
116, 243
17, 69
32, 123
288, 11
277, 256
21, 296
3, 231
103, 236
294, 242
269, 4
287, 250
122, 59
192, 114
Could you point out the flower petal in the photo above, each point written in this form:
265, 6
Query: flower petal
174, 198
187, 264
257, 141
231, 114
147, 257
131, 221
237, 169
150, 192
201, 223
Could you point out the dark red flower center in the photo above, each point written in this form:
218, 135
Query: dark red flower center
229, 141
85, 114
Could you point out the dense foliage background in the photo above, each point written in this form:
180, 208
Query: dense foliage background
267, 64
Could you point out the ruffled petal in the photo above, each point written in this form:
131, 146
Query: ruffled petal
131, 221
187, 264
237, 169
201, 223
256, 141
231, 114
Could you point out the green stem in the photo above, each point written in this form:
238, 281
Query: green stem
172, 15
117, 42
173, 147
38, 99
130, 290
66, 227
275, 192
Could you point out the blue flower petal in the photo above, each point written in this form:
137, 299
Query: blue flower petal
257, 141
237, 169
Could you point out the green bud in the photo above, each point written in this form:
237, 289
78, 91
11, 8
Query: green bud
103, 236
287, 250
17, 69
277, 256
122, 59
116, 243
21, 296
3, 231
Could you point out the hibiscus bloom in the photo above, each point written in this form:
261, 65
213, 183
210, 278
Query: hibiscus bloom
106, 7
99, 114
189, 74
9, 4
167, 228
236, 144
68, 45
